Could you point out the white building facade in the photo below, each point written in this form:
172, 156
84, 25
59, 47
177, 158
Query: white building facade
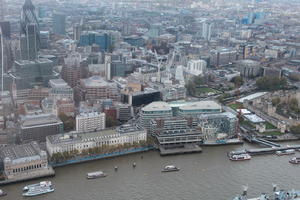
87, 122
196, 67
84, 141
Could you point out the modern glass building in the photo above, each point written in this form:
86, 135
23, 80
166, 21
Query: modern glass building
28, 74
194, 109
154, 110
59, 24
89, 38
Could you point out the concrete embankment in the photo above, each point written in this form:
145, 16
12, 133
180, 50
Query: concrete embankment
97, 157
30, 176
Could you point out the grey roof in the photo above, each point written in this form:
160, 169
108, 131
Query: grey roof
201, 105
97, 81
21, 153
157, 106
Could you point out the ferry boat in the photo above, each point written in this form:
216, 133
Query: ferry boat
277, 195
170, 168
40, 184
97, 174
239, 157
2, 193
285, 152
295, 160
38, 190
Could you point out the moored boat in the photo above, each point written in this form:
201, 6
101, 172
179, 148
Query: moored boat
295, 160
40, 184
277, 195
38, 191
239, 157
2, 193
97, 174
285, 152
170, 168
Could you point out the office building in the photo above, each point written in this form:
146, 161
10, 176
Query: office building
219, 123
158, 109
30, 32
37, 127
96, 88
77, 29
60, 89
249, 68
103, 40
126, 134
29, 43
74, 69
5, 28
140, 98
24, 161
175, 132
124, 112
196, 67
272, 72
89, 122
6, 57
135, 41
59, 24
195, 109
207, 30
28, 74
223, 57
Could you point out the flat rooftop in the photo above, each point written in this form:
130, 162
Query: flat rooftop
42, 119
97, 81
74, 136
20, 151
251, 96
157, 106
58, 83
201, 105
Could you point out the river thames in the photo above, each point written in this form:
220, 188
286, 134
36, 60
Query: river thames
209, 175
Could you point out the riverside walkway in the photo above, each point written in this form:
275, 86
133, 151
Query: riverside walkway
263, 151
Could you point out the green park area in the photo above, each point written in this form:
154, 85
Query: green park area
236, 105
272, 133
205, 90
269, 125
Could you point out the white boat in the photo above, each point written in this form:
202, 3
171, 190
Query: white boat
285, 152
2, 193
35, 191
170, 168
240, 157
295, 160
40, 184
97, 174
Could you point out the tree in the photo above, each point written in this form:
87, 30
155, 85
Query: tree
294, 77
238, 81
192, 84
110, 122
295, 129
271, 83
68, 121
276, 101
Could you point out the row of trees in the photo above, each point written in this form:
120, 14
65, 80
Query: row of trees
238, 81
68, 121
271, 83
292, 105
192, 84
295, 129
104, 149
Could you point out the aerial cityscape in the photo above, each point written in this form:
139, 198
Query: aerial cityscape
100, 98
